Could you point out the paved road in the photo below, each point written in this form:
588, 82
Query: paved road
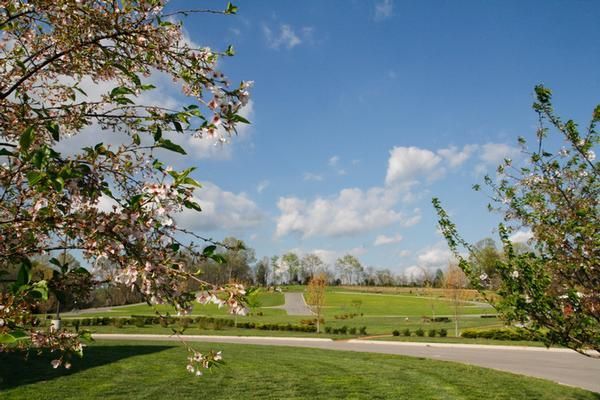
559, 365
295, 304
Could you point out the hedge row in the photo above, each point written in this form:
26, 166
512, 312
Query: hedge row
500, 334
185, 322
344, 330
420, 332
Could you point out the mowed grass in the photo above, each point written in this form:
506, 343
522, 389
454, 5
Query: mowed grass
123, 370
382, 313
375, 304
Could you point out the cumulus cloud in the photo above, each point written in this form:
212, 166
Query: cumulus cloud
436, 256
455, 156
384, 9
495, 153
221, 209
351, 212
522, 236
381, 240
287, 37
407, 164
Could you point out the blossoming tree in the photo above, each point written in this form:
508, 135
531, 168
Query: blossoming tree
553, 289
50, 52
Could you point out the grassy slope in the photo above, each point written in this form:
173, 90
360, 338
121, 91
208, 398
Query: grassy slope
152, 370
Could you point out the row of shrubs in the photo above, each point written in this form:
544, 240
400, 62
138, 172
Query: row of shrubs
436, 319
347, 316
311, 321
183, 322
421, 332
500, 334
344, 330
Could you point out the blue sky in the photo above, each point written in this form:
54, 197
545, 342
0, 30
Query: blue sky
364, 110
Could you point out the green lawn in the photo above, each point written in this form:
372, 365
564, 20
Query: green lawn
122, 370
381, 312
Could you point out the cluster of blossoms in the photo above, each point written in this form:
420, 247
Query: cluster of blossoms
198, 361
50, 201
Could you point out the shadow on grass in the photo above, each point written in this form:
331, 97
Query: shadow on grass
17, 370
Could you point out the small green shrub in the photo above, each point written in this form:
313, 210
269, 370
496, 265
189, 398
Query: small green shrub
406, 332
431, 333
420, 332
443, 332
352, 331
396, 332
362, 330
139, 322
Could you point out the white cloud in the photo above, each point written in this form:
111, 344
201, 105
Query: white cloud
404, 253
384, 9
455, 156
221, 210
309, 176
334, 162
352, 211
262, 185
406, 164
433, 257
495, 153
383, 239
522, 236
286, 37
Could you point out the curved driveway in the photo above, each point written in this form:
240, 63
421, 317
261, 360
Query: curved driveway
559, 365
295, 304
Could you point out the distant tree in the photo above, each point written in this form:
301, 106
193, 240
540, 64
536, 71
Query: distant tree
261, 271
316, 296
238, 260
291, 263
349, 267
311, 264
485, 258
438, 280
555, 193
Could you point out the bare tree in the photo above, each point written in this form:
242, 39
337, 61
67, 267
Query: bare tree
455, 283
316, 296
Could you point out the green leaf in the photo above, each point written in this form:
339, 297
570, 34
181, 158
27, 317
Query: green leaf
191, 182
54, 130
231, 9
6, 338
120, 91
4, 152
192, 205
178, 126
230, 51
157, 134
27, 138
33, 177
239, 118
219, 258
24, 274
136, 139
209, 250
167, 144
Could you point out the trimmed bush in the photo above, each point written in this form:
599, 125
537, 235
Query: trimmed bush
420, 332
396, 332
362, 330
431, 333
443, 332
406, 332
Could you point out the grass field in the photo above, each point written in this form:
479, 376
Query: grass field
122, 370
381, 312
